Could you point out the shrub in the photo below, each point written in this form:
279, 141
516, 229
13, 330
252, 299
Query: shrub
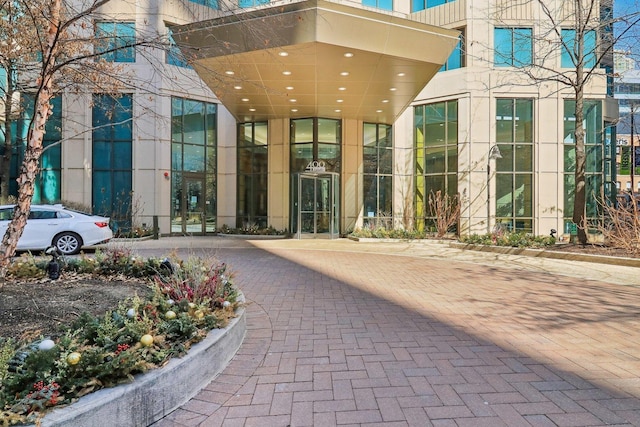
95, 352
517, 239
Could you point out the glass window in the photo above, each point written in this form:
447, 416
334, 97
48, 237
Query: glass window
193, 164
595, 161
418, 5
112, 161
436, 156
456, 59
116, 40
513, 47
48, 184
174, 55
514, 170
252, 175
251, 3
316, 139
209, 3
377, 175
380, 4
568, 58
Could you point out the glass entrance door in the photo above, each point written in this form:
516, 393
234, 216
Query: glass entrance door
315, 205
189, 215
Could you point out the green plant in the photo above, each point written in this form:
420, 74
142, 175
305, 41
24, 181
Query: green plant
102, 351
503, 238
200, 281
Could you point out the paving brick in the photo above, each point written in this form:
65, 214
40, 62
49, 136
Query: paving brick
339, 335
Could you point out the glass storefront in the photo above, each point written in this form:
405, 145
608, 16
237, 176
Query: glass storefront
316, 153
193, 166
436, 157
252, 175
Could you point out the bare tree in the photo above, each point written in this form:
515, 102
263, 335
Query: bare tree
580, 32
48, 47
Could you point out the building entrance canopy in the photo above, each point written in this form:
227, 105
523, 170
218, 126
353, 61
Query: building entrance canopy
315, 59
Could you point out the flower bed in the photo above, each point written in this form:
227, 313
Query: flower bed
189, 299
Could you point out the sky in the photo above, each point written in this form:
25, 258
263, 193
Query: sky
631, 40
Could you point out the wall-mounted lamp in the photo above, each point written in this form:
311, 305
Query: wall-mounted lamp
494, 154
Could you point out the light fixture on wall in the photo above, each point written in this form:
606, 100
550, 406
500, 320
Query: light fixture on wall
494, 153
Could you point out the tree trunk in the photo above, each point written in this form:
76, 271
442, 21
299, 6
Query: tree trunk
5, 161
31, 163
580, 199
580, 195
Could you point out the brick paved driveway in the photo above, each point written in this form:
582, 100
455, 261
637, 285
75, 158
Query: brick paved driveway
345, 333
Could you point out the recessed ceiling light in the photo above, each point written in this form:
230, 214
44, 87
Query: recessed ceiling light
348, 55
237, 87
245, 99
344, 73
339, 100
293, 100
337, 111
294, 110
342, 88
286, 73
378, 111
401, 74
283, 53
252, 109
289, 88
393, 89
229, 73
384, 101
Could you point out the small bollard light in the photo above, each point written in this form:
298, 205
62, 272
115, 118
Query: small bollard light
53, 267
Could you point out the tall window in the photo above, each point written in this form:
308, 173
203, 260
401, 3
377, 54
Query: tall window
457, 58
568, 58
513, 47
115, 40
251, 3
514, 171
112, 162
436, 156
209, 3
48, 182
174, 55
418, 5
193, 165
252, 174
594, 167
378, 174
380, 4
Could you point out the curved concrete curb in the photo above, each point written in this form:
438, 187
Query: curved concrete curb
156, 393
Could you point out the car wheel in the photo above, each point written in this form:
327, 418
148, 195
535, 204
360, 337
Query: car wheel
68, 243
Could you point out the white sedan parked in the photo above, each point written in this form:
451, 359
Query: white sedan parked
66, 229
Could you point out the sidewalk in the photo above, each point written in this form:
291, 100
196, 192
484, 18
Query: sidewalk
420, 334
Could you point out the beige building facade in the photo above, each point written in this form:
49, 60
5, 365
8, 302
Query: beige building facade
320, 117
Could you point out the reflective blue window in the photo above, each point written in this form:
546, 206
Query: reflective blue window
456, 59
251, 3
513, 47
112, 158
174, 55
209, 3
380, 4
418, 5
568, 58
116, 40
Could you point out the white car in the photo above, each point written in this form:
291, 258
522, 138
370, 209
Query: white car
54, 225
